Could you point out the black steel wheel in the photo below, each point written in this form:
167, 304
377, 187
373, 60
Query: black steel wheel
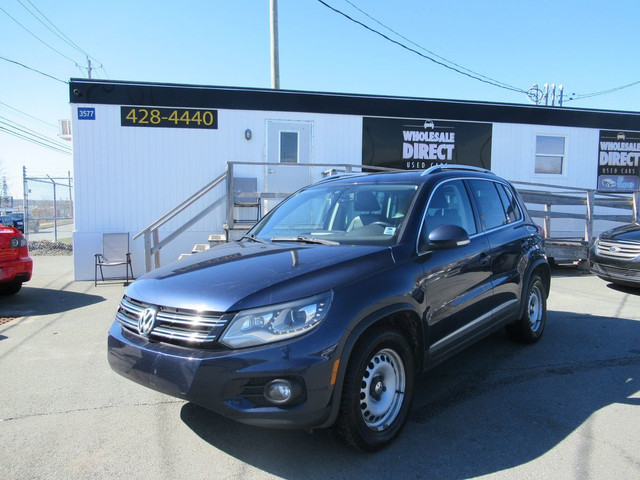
377, 391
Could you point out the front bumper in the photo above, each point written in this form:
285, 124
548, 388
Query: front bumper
231, 382
625, 271
614, 272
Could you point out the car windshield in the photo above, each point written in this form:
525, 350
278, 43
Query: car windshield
364, 214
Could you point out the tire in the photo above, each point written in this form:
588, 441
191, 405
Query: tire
10, 288
377, 391
531, 325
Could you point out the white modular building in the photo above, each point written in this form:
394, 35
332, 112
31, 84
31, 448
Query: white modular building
215, 158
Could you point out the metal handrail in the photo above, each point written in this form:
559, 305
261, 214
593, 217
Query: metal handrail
185, 204
152, 243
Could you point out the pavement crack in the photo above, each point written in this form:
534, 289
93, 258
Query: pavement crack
91, 409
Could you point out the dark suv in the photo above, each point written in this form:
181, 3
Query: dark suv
329, 309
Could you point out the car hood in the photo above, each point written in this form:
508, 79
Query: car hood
624, 233
243, 275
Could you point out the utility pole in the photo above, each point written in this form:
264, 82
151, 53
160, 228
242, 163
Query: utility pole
275, 61
89, 68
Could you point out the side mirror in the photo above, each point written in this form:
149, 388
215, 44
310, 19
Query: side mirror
447, 236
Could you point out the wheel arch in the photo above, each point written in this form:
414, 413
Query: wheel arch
402, 318
541, 268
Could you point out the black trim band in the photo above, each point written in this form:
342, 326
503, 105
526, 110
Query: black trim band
108, 92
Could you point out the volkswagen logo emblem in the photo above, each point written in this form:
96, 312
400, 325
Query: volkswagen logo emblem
147, 321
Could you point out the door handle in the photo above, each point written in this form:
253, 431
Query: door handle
270, 171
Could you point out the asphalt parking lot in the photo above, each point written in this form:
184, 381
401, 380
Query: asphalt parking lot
567, 407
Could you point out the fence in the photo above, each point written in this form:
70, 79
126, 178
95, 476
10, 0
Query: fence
48, 207
573, 217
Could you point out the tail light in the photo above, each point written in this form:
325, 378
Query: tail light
21, 244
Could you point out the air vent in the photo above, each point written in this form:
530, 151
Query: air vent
65, 129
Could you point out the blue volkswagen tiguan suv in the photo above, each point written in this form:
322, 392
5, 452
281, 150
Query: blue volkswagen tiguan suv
326, 313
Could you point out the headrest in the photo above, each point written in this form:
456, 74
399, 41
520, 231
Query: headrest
366, 202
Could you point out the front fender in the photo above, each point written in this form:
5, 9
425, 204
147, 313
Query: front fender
389, 313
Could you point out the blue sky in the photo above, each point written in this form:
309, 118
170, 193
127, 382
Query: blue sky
587, 46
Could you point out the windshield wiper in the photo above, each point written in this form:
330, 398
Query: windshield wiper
254, 238
302, 239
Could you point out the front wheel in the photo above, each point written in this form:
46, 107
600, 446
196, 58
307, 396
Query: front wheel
531, 325
378, 390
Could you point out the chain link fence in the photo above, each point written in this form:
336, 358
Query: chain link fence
48, 208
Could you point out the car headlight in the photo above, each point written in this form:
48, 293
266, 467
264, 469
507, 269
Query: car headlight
274, 323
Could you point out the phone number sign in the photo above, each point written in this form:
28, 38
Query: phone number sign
168, 117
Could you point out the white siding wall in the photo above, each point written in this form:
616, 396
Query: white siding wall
513, 152
127, 177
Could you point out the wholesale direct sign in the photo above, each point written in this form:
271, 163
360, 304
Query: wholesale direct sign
417, 144
618, 161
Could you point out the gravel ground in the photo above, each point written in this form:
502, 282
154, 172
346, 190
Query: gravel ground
46, 247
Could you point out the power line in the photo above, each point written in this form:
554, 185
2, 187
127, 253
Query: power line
60, 34
32, 133
33, 69
15, 125
400, 44
30, 116
36, 37
34, 141
426, 49
576, 96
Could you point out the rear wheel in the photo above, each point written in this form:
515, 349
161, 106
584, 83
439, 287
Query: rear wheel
378, 390
10, 288
531, 325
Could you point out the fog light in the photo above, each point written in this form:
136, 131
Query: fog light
280, 391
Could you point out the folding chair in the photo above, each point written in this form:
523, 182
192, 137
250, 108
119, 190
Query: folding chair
115, 252
242, 189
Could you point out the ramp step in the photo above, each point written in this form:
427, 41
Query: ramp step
216, 238
200, 247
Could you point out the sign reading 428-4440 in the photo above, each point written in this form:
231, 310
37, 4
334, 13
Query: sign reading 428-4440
168, 117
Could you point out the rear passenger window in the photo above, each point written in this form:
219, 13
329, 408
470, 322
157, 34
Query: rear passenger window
492, 212
509, 203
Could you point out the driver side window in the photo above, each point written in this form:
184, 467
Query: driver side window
449, 205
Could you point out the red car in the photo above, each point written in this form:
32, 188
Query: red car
15, 264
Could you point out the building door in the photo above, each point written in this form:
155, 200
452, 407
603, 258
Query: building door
288, 154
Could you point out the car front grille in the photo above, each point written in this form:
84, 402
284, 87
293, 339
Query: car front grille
621, 250
171, 325
615, 272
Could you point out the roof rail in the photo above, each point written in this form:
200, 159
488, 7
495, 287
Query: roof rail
451, 166
341, 175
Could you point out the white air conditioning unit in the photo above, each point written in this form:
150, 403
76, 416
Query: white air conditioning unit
65, 129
